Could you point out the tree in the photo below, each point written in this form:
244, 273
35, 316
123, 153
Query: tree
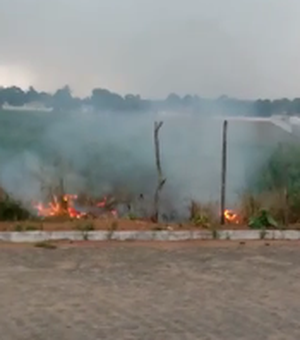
263, 107
2, 98
188, 100
295, 106
14, 96
173, 100
102, 99
62, 99
46, 99
32, 95
133, 102
281, 106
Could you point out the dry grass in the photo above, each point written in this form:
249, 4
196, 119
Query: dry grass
45, 245
204, 214
250, 205
84, 226
201, 215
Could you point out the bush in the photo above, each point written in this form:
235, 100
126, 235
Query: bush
281, 169
203, 215
11, 210
277, 180
262, 220
252, 204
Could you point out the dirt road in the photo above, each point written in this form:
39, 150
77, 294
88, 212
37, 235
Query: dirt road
151, 292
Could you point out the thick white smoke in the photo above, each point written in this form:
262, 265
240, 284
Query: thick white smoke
103, 153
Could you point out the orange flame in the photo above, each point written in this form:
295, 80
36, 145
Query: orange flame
65, 207
58, 208
231, 216
103, 204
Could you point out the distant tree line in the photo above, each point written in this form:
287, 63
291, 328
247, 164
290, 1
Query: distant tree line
105, 100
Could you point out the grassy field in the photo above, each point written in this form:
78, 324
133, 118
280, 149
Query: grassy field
20, 130
99, 154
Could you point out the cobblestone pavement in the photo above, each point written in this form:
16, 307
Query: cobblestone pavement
150, 292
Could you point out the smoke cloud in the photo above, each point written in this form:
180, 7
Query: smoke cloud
240, 48
103, 153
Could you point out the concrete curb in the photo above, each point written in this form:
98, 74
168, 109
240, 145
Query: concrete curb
38, 236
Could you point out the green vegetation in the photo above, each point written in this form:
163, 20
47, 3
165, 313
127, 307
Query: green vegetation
11, 210
262, 220
132, 216
215, 234
203, 215
275, 191
21, 130
272, 197
100, 99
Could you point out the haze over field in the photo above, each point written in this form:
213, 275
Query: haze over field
245, 49
116, 56
102, 153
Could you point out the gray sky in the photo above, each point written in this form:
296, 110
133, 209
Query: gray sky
243, 48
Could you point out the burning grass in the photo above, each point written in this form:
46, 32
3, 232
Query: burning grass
269, 205
58, 208
72, 212
81, 212
207, 215
266, 209
75, 207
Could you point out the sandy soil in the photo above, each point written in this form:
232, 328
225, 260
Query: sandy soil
161, 291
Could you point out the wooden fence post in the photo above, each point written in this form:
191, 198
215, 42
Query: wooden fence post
224, 171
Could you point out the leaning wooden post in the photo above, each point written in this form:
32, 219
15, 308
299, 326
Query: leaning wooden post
160, 178
224, 170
